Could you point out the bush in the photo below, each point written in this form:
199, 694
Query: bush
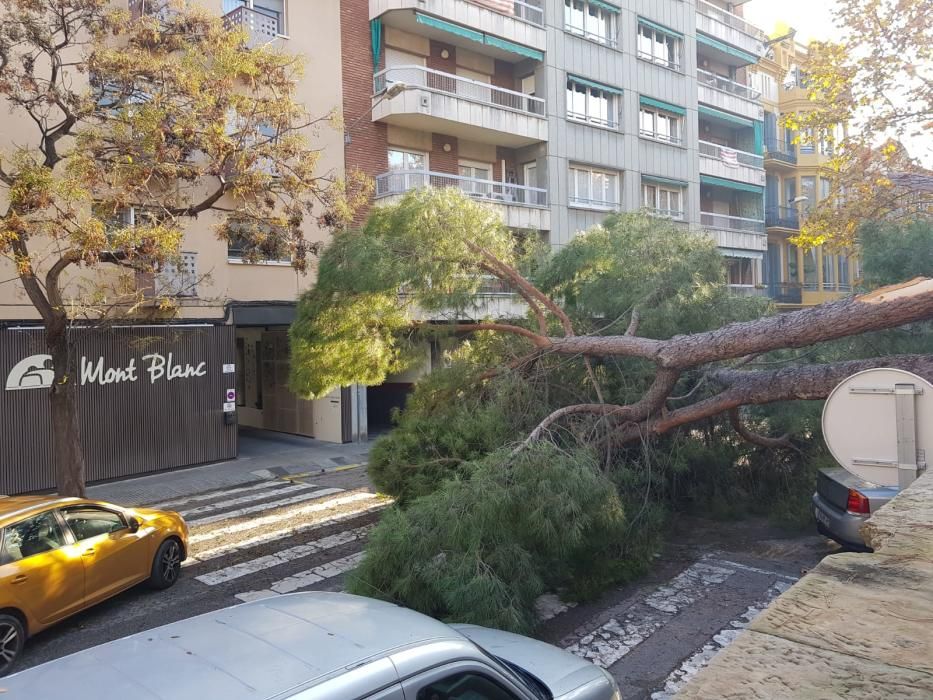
481, 550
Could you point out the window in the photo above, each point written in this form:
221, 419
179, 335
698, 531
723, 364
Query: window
88, 521
766, 85
808, 189
590, 104
790, 192
407, 160
825, 187
741, 271
844, 272
793, 268
806, 142
597, 189
407, 170
531, 173
660, 125
273, 10
528, 85
829, 271
663, 200
810, 278
658, 47
35, 535
478, 176
465, 686
589, 20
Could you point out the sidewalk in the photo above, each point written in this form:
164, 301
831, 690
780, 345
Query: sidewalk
263, 455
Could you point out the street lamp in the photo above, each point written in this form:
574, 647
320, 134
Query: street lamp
393, 90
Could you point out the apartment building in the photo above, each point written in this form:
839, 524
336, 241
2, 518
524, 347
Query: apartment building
795, 181
558, 111
160, 392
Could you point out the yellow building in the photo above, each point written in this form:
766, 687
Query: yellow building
795, 181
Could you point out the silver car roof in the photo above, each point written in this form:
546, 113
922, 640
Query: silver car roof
252, 651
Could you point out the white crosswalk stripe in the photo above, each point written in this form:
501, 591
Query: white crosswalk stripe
313, 495
294, 514
305, 578
193, 513
346, 514
284, 556
188, 500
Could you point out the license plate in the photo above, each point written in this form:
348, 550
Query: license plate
821, 517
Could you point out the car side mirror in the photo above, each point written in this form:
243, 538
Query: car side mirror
133, 523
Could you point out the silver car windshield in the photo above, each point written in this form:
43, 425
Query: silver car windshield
520, 676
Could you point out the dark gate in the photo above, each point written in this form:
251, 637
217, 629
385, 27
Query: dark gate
150, 398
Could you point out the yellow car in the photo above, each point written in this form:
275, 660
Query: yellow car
61, 555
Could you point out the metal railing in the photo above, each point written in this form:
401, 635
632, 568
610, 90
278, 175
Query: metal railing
719, 152
657, 136
590, 35
717, 82
675, 214
401, 181
784, 217
747, 290
464, 88
529, 11
661, 61
178, 279
785, 292
261, 27
732, 223
608, 123
592, 203
779, 150
730, 20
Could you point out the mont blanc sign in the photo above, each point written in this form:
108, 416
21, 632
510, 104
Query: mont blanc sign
149, 398
37, 372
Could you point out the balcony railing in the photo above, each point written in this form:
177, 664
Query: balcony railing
260, 26
725, 85
784, 217
778, 150
785, 292
673, 214
401, 181
731, 156
529, 11
464, 88
732, 223
747, 290
731, 20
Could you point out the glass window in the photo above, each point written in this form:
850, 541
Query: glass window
806, 141
829, 271
659, 47
810, 278
825, 187
660, 125
792, 264
89, 521
664, 201
465, 686
808, 189
593, 188
590, 104
741, 271
790, 191
591, 21
41, 533
407, 160
843, 271
477, 178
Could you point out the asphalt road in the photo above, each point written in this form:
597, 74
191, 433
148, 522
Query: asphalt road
276, 536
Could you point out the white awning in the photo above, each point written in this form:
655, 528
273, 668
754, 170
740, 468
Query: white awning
739, 253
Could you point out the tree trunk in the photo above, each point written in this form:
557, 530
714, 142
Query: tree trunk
67, 454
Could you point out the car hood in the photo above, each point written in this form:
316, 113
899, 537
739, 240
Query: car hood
560, 671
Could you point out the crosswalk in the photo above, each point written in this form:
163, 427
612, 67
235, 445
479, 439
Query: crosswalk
275, 537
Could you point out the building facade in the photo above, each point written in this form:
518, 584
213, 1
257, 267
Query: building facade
558, 111
796, 179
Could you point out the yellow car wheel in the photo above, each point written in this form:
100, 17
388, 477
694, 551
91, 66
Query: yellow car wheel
12, 638
166, 565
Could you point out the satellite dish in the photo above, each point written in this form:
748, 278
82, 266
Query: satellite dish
878, 424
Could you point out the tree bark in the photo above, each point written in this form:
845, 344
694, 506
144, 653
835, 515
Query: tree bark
67, 453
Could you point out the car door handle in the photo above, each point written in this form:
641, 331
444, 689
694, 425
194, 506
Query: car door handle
20, 579
87, 552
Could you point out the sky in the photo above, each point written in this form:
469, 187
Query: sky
813, 19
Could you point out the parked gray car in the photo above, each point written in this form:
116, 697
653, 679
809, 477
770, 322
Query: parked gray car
316, 646
842, 504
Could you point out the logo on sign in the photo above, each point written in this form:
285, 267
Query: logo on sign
230, 395
35, 372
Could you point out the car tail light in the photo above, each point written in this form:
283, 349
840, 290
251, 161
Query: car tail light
857, 504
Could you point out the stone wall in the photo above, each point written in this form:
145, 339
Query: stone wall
858, 626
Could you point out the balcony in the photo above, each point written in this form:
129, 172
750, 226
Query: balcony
521, 207
780, 153
260, 27
441, 102
786, 292
732, 164
747, 290
519, 22
735, 231
732, 30
782, 217
728, 95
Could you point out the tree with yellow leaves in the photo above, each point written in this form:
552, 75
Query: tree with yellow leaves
168, 112
879, 82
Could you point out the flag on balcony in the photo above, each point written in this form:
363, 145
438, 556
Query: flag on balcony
505, 7
729, 156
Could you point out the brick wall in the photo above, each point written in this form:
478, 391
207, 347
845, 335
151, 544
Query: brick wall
368, 148
437, 62
442, 161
